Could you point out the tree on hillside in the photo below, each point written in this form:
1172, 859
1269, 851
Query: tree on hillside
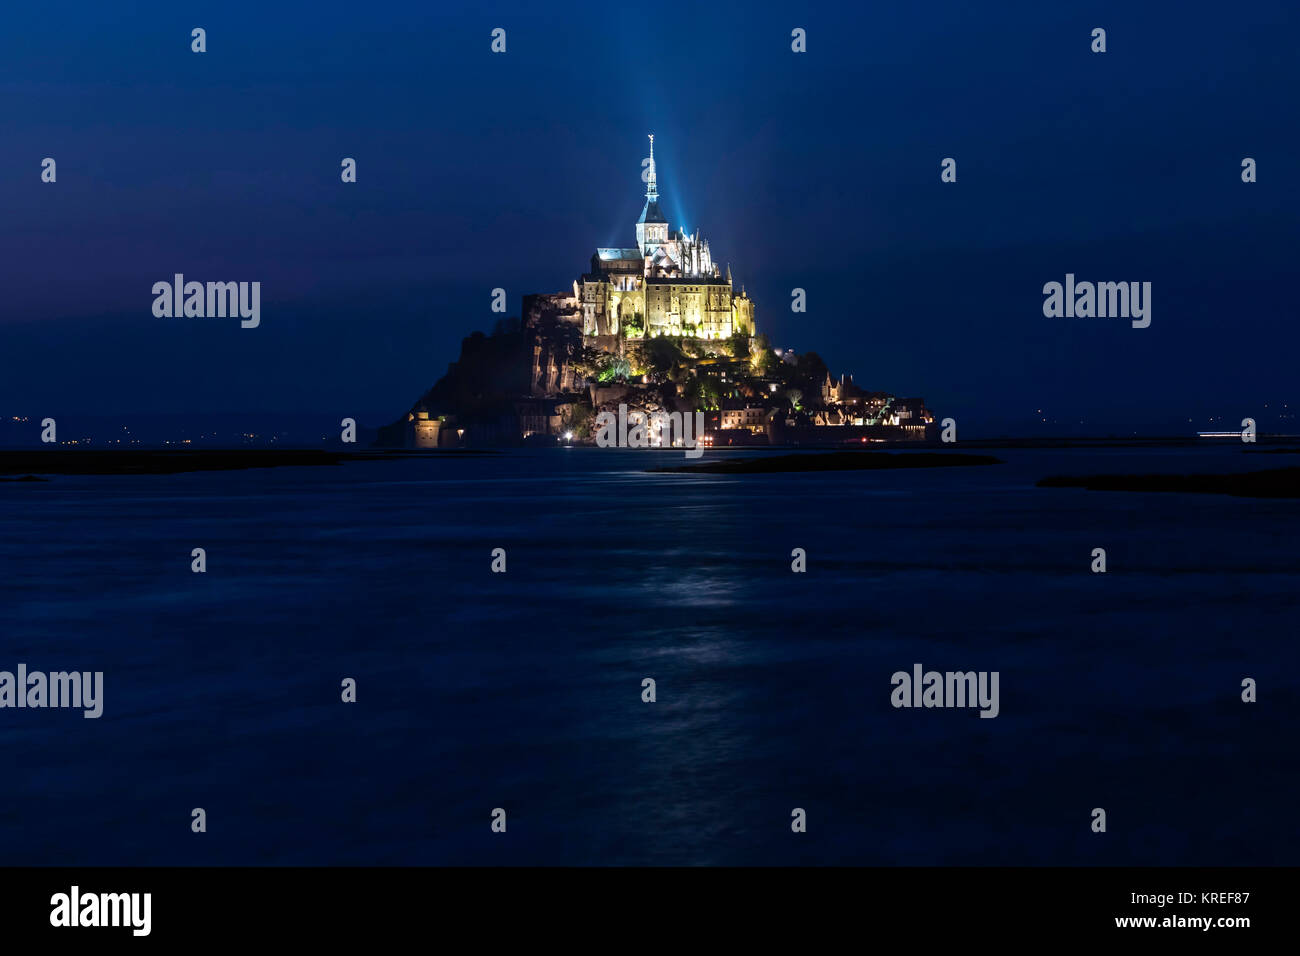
704, 390
738, 345
661, 355
587, 361
811, 370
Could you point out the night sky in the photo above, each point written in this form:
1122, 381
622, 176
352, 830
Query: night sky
817, 170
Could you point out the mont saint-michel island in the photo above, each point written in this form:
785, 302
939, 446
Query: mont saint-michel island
653, 331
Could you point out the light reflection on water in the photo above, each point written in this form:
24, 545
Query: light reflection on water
523, 689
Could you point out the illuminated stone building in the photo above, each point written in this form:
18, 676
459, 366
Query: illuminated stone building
423, 429
667, 284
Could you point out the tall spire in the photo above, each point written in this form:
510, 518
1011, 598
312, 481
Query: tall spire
652, 188
652, 227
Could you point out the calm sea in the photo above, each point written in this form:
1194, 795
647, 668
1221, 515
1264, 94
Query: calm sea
523, 690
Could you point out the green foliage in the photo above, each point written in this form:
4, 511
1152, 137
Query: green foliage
579, 419
661, 355
614, 368
587, 361
704, 391
770, 364
738, 345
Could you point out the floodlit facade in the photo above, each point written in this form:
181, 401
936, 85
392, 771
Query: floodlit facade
667, 284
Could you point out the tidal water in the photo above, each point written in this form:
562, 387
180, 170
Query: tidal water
523, 690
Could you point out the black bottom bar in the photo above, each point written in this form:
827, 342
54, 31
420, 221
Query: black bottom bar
657, 906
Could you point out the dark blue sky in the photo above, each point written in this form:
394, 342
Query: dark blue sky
816, 170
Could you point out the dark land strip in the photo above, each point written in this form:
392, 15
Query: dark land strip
64, 461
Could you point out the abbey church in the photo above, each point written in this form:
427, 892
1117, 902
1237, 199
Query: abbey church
667, 284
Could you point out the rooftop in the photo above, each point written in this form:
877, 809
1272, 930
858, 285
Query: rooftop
651, 213
614, 254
